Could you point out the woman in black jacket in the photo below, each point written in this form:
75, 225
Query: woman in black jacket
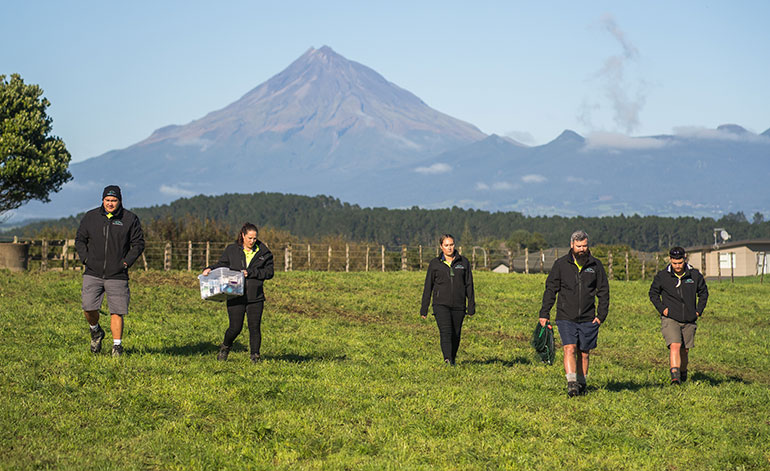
254, 259
450, 281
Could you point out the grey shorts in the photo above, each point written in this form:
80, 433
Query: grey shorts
677, 332
93, 291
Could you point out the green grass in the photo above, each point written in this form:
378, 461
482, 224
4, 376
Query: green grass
353, 379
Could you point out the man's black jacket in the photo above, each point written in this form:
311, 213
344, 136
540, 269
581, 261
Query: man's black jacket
450, 286
259, 270
108, 246
577, 290
679, 296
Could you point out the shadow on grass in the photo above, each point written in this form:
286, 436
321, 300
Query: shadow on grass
617, 386
295, 358
706, 378
195, 349
500, 361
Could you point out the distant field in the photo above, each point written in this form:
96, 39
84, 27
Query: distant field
353, 379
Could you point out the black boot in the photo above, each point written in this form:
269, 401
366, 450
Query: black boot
676, 377
224, 350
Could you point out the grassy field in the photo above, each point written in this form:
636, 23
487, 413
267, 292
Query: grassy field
352, 378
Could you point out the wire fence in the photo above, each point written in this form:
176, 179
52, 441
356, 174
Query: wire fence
42, 254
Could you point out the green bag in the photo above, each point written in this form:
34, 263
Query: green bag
542, 342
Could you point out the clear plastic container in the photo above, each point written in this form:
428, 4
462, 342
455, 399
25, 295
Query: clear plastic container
221, 284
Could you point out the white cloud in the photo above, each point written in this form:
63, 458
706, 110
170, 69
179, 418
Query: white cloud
533, 178
621, 141
482, 186
707, 133
434, 169
176, 191
502, 186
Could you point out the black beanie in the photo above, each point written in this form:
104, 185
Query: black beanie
112, 190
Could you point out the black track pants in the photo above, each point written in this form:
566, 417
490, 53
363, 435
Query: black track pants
236, 313
450, 322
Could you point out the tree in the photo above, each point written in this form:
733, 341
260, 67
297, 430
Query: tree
759, 218
32, 163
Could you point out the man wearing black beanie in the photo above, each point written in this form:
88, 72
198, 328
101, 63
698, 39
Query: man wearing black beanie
109, 240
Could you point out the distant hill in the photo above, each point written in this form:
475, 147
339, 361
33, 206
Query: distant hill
328, 125
312, 218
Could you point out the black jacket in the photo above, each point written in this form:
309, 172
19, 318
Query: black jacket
577, 290
108, 246
259, 270
666, 291
449, 286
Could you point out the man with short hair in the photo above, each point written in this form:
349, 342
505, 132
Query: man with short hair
673, 293
578, 279
108, 241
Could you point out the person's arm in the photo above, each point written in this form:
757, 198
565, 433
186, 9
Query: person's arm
81, 241
603, 294
470, 292
552, 286
224, 261
136, 243
703, 296
427, 291
655, 291
264, 272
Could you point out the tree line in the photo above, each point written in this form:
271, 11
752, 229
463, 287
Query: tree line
296, 218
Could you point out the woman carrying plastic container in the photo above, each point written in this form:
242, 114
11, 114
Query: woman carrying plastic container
252, 257
450, 282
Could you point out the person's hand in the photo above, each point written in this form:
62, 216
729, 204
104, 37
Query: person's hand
206, 271
665, 312
543, 320
597, 321
697, 313
424, 316
245, 273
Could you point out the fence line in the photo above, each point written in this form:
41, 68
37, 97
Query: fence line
348, 257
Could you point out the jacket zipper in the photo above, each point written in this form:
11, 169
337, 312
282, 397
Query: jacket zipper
580, 292
106, 238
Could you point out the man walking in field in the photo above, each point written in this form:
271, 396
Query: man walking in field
108, 241
578, 279
679, 293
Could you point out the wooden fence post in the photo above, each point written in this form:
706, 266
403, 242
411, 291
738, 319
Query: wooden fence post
64, 262
167, 257
764, 261
420, 249
703, 262
486, 261
542, 261
510, 261
44, 255
208, 252
347, 258
473, 258
383, 257
627, 278
189, 255
609, 262
526, 260
286, 256
657, 262
367, 257
732, 267
643, 274
403, 258
329, 259
308, 257
144, 259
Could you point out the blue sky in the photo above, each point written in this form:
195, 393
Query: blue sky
115, 72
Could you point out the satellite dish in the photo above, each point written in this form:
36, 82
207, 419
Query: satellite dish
725, 236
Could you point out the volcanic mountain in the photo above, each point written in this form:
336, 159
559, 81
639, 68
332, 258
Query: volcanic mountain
310, 128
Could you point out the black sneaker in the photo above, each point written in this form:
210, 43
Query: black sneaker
96, 339
683, 375
582, 389
573, 388
117, 350
224, 350
676, 376
255, 357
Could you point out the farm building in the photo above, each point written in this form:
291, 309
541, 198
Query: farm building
740, 258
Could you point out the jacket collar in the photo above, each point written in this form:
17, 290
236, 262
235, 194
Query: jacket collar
456, 255
687, 269
116, 214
